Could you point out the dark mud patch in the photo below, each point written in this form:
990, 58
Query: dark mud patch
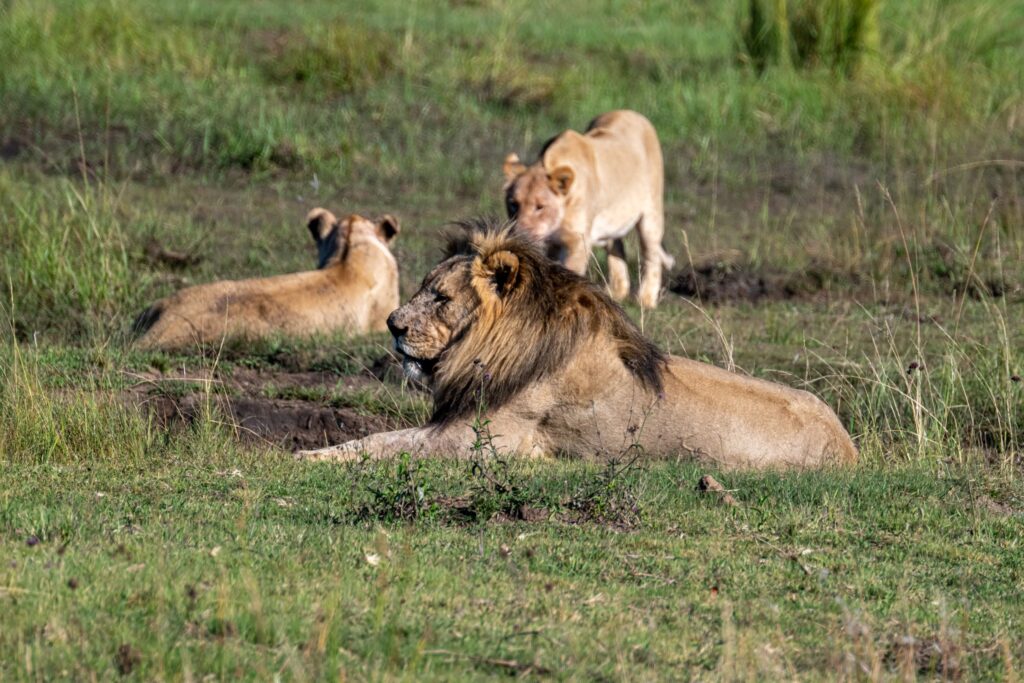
730, 276
288, 424
252, 380
251, 402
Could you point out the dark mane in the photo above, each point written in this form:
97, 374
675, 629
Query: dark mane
460, 236
541, 323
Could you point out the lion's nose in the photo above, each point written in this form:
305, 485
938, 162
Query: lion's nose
394, 327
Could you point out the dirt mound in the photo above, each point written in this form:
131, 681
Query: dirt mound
730, 276
176, 401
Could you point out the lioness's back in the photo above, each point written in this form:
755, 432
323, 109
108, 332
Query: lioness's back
354, 289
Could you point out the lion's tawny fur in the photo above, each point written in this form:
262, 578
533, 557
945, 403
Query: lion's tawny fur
554, 367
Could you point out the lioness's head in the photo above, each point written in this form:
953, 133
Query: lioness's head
535, 197
496, 316
333, 237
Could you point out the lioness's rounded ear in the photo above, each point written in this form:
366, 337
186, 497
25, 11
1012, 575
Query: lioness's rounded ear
498, 271
320, 222
387, 227
561, 179
512, 167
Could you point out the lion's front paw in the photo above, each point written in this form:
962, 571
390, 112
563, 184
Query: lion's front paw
340, 453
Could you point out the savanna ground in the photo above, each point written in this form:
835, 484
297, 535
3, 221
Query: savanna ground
852, 226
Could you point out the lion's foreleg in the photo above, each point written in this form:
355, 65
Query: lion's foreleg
417, 442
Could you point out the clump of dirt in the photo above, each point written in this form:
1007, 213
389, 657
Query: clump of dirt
159, 255
995, 507
242, 397
925, 656
127, 658
730, 276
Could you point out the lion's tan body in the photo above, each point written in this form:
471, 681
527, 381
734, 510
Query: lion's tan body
599, 388
354, 290
590, 190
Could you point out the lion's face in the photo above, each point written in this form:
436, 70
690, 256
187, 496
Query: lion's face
436, 316
536, 197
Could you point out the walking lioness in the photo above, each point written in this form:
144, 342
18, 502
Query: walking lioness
551, 365
591, 189
354, 289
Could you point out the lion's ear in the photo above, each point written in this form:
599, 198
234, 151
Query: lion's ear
387, 227
512, 167
499, 272
320, 223
561, 179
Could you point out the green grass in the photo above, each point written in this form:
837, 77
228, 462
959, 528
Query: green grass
881, 174
143, 87
244, 565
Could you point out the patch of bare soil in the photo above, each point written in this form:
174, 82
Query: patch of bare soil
730, 276
178, 400
995, 507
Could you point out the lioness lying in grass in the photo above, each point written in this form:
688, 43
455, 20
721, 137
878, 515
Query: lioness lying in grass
354, 289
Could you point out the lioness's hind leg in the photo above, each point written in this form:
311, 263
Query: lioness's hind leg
618, 271
651, 230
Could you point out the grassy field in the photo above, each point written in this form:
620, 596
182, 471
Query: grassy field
854, 227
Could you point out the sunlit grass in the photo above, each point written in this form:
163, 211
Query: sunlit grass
880, 174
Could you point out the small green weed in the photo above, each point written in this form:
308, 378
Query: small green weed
396, 490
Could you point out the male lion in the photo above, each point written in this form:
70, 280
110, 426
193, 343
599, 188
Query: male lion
354, 289
555, 366
592, 189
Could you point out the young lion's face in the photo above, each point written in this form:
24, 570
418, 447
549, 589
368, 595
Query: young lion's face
436, 316
531, 198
